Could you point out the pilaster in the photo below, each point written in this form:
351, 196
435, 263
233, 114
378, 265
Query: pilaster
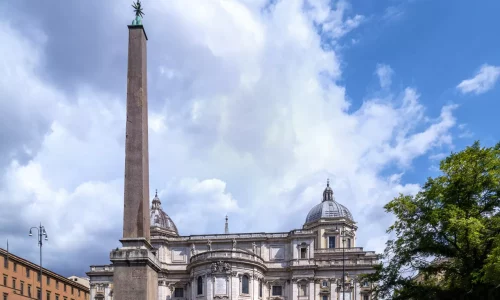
294, 287
333, 290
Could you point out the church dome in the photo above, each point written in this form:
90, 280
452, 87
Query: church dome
160, 219
328, 208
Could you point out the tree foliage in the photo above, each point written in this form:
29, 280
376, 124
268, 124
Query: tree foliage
447, 237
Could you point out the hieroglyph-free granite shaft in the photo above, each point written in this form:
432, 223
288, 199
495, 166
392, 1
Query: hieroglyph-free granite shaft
136, 266
136, 200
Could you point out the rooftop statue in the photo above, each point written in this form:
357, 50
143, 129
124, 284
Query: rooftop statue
138, 13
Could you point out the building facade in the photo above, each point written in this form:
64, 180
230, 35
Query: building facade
21, 281
321, 261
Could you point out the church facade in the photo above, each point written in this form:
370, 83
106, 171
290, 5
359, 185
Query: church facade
321, 261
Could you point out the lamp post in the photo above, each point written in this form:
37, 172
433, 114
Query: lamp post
41, 233
342, 234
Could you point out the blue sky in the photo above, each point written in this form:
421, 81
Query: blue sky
252, 107
432, 46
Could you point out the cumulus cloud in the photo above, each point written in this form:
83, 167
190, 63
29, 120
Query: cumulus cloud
484, 80
247, 117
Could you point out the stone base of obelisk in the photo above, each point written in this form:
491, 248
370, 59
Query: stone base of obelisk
135, 275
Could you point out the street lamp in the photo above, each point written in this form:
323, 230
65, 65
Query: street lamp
342, 235
41, 233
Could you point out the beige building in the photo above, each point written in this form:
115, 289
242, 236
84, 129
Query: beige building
81, 280
302, 264
21, 281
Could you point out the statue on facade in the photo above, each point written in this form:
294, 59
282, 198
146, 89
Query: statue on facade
138, 13
254, 247
234, 243
192, 249
209, 245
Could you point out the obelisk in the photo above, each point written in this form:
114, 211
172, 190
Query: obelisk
136, 268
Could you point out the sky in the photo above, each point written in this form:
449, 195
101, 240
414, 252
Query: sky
253, 104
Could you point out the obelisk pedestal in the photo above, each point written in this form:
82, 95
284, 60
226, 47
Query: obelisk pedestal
136, 267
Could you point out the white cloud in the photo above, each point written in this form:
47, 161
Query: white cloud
244, 122
384, 73
465, 132
332, 20
393, 13
483, 81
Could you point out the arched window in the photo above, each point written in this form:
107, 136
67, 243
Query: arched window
199, 285
244, 284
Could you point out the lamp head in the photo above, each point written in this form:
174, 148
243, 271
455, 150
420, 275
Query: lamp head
46, 237
31, 233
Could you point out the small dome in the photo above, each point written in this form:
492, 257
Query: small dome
159, 218
328, 208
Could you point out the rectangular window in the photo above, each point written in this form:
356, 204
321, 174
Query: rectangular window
5, 295
366, 297
38, 277
245, 284
65, 287
260, 288
179, 292
48, 280
65, 298
199, 285
78, 293
14, 283
5, 262
72, 290
27, 273
57, 297
331, 242
276, 290
22, 288
4, 280
303, 253
15, 267
29, 290
325, 283
325, 297
303, 290
57, 284
48, 295
38, 294
348, 243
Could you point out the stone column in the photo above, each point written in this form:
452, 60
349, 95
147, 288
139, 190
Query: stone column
357, 288
162, 295
294, 290
333, 290
317, 287
194, 288
135, 266
310, 292
255, 288
234, 288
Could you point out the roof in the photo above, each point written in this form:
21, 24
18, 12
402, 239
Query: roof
28, 263
328, 208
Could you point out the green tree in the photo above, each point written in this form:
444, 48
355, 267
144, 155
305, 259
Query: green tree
448, 234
